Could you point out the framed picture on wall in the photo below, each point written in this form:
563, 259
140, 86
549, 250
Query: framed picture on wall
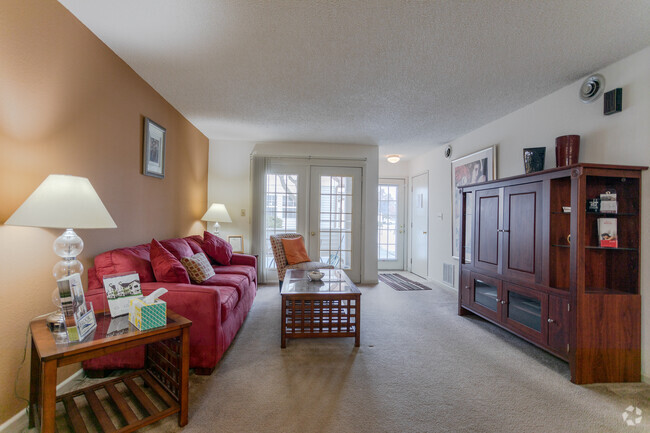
153, 149
237, 243
474, 168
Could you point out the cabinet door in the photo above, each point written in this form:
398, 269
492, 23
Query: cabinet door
486, 229
464, 287
558, 325
525, 311
485, 296
522, 232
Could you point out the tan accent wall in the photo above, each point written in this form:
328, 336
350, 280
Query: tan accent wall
69, 105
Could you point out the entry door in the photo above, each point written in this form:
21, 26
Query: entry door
420, 225
390, 224
335, 218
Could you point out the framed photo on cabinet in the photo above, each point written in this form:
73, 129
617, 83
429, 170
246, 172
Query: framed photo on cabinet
153, 149
473, 168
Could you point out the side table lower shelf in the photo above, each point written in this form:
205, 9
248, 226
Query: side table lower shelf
137, 390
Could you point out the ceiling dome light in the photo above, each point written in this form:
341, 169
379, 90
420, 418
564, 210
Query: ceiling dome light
393, 159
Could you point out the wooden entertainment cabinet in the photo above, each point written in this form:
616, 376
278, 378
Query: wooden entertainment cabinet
537, 269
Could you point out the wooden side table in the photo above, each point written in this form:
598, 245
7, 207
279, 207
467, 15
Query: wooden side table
165, 375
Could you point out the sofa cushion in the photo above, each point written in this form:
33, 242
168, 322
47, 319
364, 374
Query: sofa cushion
294, 250
248, 271
229, 297
239, 282
130, 259
166, 267
217, 248
198, 267
195, 242
178, 247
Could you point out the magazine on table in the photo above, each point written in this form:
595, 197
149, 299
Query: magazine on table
79, 319
120, 289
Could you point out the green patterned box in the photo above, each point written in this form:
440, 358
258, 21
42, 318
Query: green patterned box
147, 316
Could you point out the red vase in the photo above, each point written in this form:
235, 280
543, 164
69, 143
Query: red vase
567, 148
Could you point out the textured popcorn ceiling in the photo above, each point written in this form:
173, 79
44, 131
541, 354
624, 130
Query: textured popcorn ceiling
405, 75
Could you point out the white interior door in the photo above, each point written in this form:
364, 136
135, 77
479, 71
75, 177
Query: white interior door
335, 218
420, 225
390, 224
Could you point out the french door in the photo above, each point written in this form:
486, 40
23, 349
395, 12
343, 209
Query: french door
390, 224
335, 218
321, 203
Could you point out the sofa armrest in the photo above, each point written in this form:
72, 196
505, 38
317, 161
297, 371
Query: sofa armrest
243, 259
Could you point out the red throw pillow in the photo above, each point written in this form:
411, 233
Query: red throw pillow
295, 251
166, 267
217, 248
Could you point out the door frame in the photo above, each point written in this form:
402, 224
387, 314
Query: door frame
405, 219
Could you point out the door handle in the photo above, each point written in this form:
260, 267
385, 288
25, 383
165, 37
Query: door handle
313, 233
424, 233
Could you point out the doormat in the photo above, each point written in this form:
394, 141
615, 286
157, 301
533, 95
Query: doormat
401, 283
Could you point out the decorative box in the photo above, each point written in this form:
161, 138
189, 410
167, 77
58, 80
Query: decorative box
147, 316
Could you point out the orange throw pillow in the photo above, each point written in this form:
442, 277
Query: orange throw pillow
295, 251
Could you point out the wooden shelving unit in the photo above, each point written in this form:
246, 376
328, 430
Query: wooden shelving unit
550, 280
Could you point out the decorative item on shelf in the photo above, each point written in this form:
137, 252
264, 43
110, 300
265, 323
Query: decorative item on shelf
153, 149
217, 213
534, 159
608, 203
607, 232
237, 243
593, 205
567, 148
67, 202
393, 159
613, 102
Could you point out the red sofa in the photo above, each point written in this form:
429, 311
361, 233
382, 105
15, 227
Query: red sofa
217, 307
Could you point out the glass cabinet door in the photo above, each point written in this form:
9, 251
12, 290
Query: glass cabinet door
526, 311
485, 295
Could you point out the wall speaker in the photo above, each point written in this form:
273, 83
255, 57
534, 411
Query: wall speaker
448, 151
592, 88
613, 101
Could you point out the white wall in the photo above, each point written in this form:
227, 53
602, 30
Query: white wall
228, 183
621, 138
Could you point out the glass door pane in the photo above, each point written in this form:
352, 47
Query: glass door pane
280, 210
335, 218
387, 223
525, 310
486, 295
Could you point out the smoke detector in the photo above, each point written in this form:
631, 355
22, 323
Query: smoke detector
592, 88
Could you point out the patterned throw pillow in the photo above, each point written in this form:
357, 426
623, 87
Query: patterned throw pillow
198, 267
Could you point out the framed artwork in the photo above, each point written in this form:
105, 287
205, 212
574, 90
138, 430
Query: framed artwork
153, 149
237, 243
474, 168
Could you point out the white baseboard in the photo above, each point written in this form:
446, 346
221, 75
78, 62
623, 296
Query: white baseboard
19, 422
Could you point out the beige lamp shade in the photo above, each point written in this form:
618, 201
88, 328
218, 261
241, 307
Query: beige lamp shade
63, 201
217, 213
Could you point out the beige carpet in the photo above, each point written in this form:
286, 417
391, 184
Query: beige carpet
420, 368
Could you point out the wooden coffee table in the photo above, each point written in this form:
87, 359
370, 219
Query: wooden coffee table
327, 308
165, 376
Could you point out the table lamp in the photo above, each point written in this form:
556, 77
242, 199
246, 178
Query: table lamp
217, 213
66, 202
